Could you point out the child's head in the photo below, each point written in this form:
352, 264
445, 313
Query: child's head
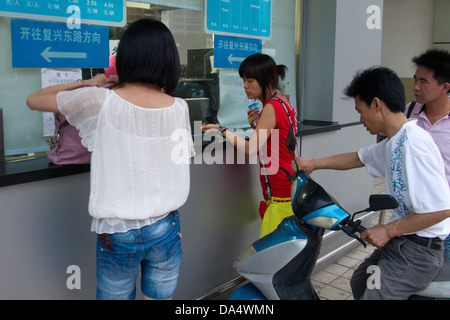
147, 53
263, 69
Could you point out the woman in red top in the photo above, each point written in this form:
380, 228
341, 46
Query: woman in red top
261, 81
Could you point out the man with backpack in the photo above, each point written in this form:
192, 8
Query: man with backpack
432, 105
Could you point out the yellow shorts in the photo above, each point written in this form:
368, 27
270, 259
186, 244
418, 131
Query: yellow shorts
277, 210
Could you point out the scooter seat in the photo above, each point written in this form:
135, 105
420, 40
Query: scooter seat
438, 288
444, 273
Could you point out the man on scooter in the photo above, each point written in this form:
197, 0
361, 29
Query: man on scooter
410, 247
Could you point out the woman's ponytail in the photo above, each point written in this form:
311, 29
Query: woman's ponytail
281, 70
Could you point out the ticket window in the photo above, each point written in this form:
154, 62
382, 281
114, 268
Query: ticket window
199, 81
214, 95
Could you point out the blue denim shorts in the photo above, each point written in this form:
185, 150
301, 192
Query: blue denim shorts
155, 248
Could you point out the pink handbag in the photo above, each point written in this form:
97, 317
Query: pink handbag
65, 145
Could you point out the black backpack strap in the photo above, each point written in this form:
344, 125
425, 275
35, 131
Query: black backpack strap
410, 109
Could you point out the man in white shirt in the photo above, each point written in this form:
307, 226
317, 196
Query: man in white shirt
409, 250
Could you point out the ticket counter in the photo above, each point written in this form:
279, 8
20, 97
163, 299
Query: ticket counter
45, 227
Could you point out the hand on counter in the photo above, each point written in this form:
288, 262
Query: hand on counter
205, 127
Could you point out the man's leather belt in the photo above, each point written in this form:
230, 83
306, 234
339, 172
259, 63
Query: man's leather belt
432, 243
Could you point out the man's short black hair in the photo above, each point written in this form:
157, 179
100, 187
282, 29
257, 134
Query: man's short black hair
147, 53
381, 83
437, 61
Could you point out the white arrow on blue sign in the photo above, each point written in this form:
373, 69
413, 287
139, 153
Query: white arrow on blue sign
229, 52
41, 44
47, 54
232, 59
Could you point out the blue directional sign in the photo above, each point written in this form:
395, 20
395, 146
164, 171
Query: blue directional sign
98, 12
229, 52
41, 44
247, 18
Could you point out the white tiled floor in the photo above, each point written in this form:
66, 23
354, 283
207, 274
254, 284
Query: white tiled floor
333, 282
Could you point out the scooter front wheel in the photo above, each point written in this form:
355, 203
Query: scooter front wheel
247, 292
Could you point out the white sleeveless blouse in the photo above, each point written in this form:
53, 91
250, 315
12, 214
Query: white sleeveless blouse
140, 157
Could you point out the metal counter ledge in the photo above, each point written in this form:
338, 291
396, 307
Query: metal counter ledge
41, 169
307, 127
34, 170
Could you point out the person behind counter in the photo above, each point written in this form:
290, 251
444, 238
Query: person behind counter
410, 249
136, 188
261, 81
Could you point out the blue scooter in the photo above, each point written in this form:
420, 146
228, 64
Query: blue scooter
279, 265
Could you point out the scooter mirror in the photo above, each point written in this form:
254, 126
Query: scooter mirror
382, 202
379, 202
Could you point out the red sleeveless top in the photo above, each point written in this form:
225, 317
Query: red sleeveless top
275, 153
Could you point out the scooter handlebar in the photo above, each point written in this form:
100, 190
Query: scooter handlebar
360, 229
350, 227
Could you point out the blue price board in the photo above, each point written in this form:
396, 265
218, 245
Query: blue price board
247, 18
41, 44
98, 12
229, 52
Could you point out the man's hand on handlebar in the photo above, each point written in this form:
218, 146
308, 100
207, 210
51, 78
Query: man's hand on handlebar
377, 236
303, 165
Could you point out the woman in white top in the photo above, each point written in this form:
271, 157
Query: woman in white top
140, 139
